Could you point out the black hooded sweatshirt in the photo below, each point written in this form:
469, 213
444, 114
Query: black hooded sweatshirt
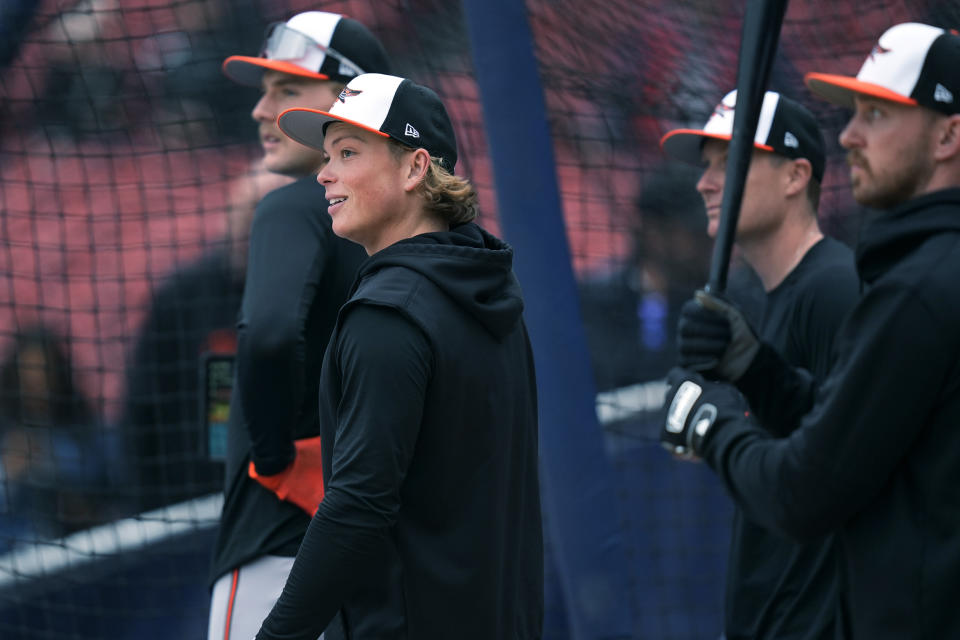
430, 526
877, 458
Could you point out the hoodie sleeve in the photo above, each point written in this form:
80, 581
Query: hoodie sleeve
779, 395
385, 365
866, 416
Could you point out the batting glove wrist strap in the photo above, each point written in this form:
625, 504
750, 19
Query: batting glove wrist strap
693, 407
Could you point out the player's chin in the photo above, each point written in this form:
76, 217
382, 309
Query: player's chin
862, 192
871, 198
712, 225
275, 161
341, 227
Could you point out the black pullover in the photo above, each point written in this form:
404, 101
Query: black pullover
430, 527
877, 458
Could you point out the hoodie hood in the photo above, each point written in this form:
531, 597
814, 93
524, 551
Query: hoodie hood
896, 233
472, 267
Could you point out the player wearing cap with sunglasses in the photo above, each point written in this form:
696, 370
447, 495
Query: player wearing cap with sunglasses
299, 273
775, 588
876, 457
430, 526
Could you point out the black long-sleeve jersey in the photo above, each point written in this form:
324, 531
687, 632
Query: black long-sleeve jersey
298, 275
776, 587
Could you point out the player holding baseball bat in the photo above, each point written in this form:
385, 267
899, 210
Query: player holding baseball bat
775, 587
876, 454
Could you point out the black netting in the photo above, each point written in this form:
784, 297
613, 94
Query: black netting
127, 179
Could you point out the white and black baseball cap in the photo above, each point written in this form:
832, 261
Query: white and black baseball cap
784, 127
912, 63
389, 106
313, 44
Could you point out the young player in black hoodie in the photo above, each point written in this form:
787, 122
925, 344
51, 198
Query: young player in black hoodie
430, 525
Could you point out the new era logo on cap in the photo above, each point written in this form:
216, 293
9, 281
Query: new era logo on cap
912, 64
942, 94
389, 106
784, 127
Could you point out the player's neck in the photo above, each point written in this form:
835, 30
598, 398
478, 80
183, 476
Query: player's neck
776, 256
940, 180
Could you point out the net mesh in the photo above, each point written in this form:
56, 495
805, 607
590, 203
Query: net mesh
128, 173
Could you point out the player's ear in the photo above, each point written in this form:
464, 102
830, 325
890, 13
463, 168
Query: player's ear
948, 142
416, 165
798, 176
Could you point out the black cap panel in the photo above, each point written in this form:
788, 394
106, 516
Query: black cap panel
417, 119
938, 87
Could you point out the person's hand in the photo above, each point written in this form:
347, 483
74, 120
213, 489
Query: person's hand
692, 408
300, 483
714, 338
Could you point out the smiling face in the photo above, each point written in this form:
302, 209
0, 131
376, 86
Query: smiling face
762, 206
368, 187
889, 150
283, 91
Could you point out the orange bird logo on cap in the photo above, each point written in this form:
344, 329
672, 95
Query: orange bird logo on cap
348, 92
721, 109
878, 50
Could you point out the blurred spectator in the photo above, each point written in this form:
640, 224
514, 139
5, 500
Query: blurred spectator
193, 313
162, 61
15, 17
630, 316
193, 81
52, 459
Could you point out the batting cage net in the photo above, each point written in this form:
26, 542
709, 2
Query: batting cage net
128, 177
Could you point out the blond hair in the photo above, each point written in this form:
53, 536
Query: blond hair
448, 196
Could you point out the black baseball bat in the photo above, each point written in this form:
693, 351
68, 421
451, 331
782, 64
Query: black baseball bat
758, 46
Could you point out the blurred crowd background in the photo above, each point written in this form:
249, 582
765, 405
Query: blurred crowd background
128, 176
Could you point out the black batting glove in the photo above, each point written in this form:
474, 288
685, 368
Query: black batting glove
714, 338
692, 408
702, 337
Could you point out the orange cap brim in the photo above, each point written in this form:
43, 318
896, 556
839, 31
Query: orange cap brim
306, 125
685, 144
841, 89
247, 70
